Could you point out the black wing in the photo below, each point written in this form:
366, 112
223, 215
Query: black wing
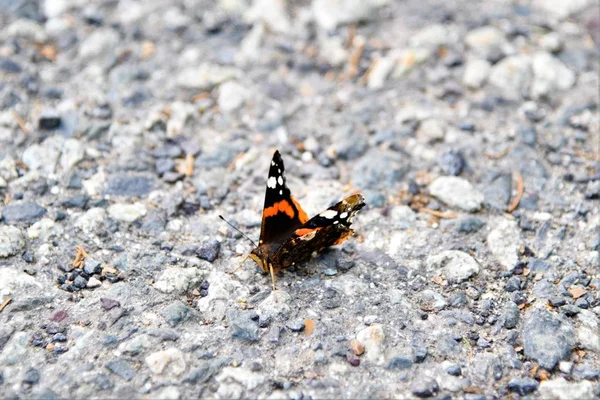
329, 228
282, 214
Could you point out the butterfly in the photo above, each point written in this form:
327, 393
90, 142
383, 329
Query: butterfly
287, 235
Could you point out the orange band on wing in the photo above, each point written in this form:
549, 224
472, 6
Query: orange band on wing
343, 237
305, 231
301, 214
281, 206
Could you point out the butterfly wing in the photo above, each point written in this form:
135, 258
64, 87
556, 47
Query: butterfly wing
282, 214
329, 228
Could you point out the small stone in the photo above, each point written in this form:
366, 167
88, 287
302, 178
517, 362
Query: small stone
357, 347
32, 376
452, 162
178, 280
243, 325
232, 96
457, 192
424, 388
523, 386
373, 339
498, 192
169, 361
109, 304
454, 370
209, 250
511, 315
431, 301
483, 343
432, 130
175, 313
130, 185
206, 76
528, 135
504, 241
92, 266
49, 119
331, 14
78, 201
456, 266
548, 338
561, 389
353, 359
296, 325
470, 225
127, 212
513, 284
488, 42
12, 241
399, 362
420, 353
512, 76
550, 75
566, 367
93, 283
80, 282
22, 212
476, 73
122, 368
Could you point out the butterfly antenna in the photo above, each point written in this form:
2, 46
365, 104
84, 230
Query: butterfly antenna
243, 234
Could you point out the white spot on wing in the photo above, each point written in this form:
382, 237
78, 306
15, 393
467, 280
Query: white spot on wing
272, 182
280, 181
281, 192
343, 215
336, 222
329, 214
273, 163
308, 236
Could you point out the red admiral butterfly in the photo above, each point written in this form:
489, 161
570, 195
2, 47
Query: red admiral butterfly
287, 236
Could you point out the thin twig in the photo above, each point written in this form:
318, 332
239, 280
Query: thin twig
515, 203
497, 156
22, 124
439, 214
5, 303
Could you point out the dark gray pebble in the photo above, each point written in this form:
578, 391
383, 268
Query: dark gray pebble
243, 325
424, 388
130, 185
32, 376
80, 282
92, 266
454, 370
49, 119
295, 325
528, 135
419, 354
452, 162
175, 313
22, 212
122, 368
548, 338
77, 201
469, 225
399, 362
209, 250
523, 386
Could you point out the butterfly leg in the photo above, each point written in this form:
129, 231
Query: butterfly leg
272, 276
240, 265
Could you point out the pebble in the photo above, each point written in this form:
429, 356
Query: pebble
295, 325
587, 332
511, 315
528, 135
127, 212
99, 43
109, 304
430, 300
330, 14
488, 42
206, 76
209, 250
170, 362
121, 368
424, 388
175, 313
399, 362
548, 338
232, 96
26, 212
512, 76
373, 338
457, 192
549, 75
130, 185
452, 162
49, 119
178, 280
432, 130
561, 389
469, 225
80, 282
243, 325
504, 241
498, 192
476, 73
523, 386
12, 241
92, 266
456, 266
